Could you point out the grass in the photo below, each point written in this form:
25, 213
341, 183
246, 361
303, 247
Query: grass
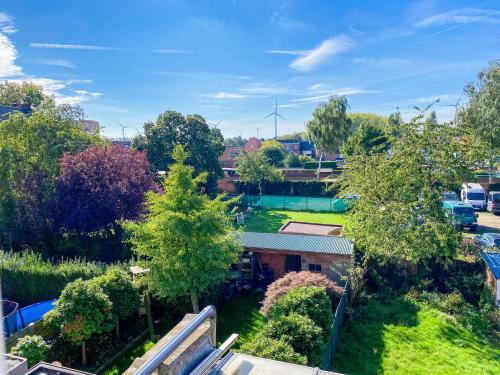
406, 337
271, 220
124, 362
240, 315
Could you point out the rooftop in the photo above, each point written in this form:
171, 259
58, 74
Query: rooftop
492, 260
43, 368
298, 242
299, 227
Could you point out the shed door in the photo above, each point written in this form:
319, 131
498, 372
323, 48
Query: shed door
293, 263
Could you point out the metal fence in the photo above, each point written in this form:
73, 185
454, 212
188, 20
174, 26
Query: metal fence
291, 202
335, 331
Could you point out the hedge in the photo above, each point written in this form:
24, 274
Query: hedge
265, 347
298, 188
324, 164
27, 278
309, 301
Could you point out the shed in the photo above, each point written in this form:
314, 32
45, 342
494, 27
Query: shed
282, 253
492, 261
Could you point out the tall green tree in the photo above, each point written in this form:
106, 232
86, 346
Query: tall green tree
30, 149
203, 143
82, 311
274, 152
399, 216
186, 240
255, 168
12, 93
481, 117
367, 119
329, 127
368, 138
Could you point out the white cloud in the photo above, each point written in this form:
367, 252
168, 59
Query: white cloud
170, 51
73, 46
6, 24
263, 88
225, 95
461, 16
8, 55
55, 62
12, 72
287, 52
319, 55
340, 92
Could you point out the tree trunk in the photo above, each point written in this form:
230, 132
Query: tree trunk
149, 317
319, 164
260, 187
117, 329
194, 302
84, 354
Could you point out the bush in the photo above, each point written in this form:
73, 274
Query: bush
309, 301
299, 188
300, 333
292, 161
27, 278
33, 348
324, 164
295, 279
269, 348
305, 158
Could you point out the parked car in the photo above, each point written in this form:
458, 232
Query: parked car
493, 204
461, 215
450, 196
488, 241
473, 194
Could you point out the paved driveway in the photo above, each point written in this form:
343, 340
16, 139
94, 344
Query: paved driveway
488, 222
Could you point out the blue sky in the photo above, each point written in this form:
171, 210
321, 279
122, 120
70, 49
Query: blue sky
127, 61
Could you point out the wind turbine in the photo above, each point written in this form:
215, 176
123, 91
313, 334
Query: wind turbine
456, 107
276, 115
123, 130
257, 131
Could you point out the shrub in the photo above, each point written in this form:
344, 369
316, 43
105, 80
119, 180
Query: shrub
300, 333
279, 350
33, 348
292, 161
309, 301
324, 164
295, 279
27, 278
305, 158
300, 188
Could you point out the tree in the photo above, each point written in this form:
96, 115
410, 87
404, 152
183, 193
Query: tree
368, 138
33, 348
30, 149
12, 93
274, 152
399, 217
235, 141
329, 126
82, 310
366, 119
186, 240
101, 185
481, 117
203, 143
292, 161
122, 293
255, 168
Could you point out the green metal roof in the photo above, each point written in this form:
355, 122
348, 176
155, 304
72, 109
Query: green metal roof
298, 242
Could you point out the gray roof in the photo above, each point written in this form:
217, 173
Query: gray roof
298, 242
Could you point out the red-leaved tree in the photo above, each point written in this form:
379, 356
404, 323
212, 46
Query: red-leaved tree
100, 185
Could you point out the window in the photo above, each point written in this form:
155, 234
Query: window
315, 267
475, 196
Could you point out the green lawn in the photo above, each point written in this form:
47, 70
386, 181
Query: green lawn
240, 315
272, 220
404, 337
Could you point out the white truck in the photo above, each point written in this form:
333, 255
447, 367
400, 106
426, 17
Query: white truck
473, 194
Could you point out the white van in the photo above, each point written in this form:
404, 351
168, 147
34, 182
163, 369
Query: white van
473, 194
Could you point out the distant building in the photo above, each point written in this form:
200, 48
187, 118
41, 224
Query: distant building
229, 157
91, 126
7, 110
252, 145
297, 146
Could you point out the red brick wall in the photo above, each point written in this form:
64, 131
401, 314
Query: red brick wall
276, 262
